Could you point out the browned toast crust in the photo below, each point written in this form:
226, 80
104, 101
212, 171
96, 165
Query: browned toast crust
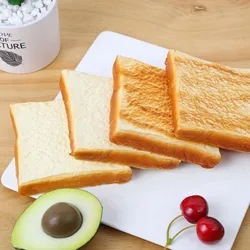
149, 143
131, 158
172, 89
73, 181
114, 103
66, 101
220, 139
228, 125
139, 141
146, 104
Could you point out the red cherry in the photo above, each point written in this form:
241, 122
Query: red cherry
209, 230
193, 208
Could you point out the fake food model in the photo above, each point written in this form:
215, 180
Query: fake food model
64, 219
195, 210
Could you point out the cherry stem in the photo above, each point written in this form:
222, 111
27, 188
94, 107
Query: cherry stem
170, 240
170, 224
182, 231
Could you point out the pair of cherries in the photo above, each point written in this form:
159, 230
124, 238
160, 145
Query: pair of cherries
195, 210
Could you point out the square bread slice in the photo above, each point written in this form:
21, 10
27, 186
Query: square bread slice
42, 152
87, 101
211, 102
141, 114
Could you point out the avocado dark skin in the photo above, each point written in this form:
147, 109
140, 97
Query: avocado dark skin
81, 248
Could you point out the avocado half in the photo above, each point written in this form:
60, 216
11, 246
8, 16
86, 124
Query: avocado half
28, 233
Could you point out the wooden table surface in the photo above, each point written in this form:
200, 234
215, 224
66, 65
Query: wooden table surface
213, 30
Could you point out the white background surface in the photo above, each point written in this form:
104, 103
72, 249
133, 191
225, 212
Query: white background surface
144, 206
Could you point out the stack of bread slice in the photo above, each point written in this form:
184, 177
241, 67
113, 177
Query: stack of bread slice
141, 114
144, 117
87, 101
42, 152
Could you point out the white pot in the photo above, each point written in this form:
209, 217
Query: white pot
30, 47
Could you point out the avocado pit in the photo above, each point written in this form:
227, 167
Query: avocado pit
61, 220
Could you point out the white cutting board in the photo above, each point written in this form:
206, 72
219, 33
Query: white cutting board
144, 206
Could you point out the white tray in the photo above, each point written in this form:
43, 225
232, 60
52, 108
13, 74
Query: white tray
144, 206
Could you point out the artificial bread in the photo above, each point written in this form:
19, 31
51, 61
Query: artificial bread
141, 114
87, 102
42, 152
211, 102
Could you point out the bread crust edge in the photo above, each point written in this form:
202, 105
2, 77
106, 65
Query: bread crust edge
220, 139
74, 181
66, 101
172, 87
133, 159
191, 155
16, 143
114, 102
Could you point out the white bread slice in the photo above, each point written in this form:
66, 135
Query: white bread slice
87, 102
141, 114
211, 102
42, 152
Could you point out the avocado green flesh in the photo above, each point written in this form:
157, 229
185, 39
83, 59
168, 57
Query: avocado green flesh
29, 235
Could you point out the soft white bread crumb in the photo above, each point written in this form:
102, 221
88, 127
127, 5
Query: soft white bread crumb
42, 154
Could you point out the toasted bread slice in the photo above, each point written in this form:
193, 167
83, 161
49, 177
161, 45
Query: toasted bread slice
211, 102
87, 102
141, 114
42, 152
